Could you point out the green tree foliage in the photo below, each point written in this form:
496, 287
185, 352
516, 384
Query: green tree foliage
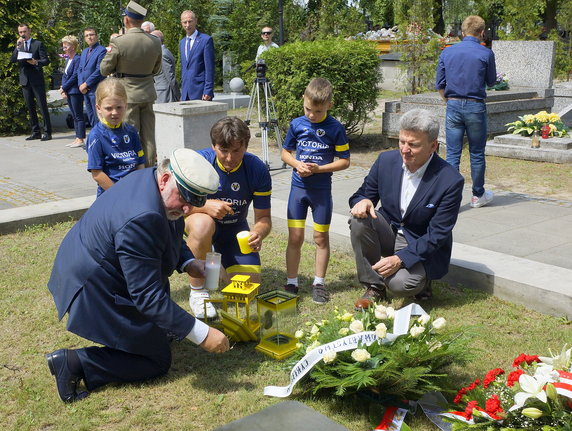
351, 66
417, 44
38, 15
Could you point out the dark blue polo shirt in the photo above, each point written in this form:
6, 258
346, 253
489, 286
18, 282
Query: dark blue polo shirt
464, 68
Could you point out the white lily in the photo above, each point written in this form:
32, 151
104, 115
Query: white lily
563, 361
547, 373
532, 387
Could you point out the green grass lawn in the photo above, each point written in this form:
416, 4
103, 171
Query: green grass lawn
204, 391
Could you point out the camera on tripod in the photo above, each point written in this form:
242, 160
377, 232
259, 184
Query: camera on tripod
261, 69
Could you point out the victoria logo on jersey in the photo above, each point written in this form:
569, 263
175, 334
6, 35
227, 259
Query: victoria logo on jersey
320, 132
235, 187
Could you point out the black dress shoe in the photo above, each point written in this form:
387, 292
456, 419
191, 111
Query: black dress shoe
33, 136
66, 380
46, 137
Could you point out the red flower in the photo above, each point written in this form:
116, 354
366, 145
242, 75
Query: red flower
513, 377
473, 385
463, 391
529, 359
469, 409
493, 406
491, 376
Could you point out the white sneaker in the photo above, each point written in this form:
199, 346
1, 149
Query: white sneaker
197, 303
485, 199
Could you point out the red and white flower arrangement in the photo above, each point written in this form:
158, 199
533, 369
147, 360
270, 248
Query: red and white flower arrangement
535, 395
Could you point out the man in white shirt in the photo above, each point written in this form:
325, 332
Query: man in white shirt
403, 245
266, 35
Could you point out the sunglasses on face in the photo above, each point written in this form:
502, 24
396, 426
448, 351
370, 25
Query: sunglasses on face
266, 32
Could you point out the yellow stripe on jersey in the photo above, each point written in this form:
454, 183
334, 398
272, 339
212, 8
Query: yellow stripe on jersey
268, 193
296, 223
340, 148
321, 227
253, 269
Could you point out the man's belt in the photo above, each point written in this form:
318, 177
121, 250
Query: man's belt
466, 98
130, 75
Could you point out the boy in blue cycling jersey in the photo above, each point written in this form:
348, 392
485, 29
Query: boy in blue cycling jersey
315, 146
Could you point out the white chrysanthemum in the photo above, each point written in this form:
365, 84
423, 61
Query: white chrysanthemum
299, 334
356, 326
416, 330
329, 356
381, 330
390, 312
381, 312
315, 330
344, 331
439, 323
424, 319
360, 355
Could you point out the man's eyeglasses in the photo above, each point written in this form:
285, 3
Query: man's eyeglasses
90, 35
266, 32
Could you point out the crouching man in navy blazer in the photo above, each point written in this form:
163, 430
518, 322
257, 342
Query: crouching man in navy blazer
111, 276
402, 246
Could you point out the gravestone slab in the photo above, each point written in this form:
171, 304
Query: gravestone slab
527, 63
287, 415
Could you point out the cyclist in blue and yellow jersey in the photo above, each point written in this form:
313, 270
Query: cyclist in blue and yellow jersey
244, 178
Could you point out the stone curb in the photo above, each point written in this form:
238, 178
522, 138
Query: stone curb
508, 277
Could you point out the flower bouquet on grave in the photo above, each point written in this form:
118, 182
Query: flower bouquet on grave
391, 355
526, 125
535, 396
501, 83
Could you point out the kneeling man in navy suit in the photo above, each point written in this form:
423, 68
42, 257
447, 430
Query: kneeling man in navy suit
111, 276
405, 243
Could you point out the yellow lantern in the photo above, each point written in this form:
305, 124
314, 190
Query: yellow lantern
238, 315
277, 310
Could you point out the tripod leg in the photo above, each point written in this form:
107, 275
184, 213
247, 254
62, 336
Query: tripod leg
265, 158
251, 103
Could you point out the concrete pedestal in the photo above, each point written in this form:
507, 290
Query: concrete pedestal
185, 125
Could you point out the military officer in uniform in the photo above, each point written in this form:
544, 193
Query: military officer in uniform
135, 57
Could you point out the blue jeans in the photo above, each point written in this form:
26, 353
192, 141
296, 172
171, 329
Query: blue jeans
468, 116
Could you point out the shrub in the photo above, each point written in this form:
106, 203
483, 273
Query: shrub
351, 66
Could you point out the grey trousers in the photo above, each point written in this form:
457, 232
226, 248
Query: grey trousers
373, 239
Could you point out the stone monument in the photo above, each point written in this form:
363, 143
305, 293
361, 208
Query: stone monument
529, 92
185, 125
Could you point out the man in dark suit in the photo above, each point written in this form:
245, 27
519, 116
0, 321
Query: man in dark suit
111, 276
89, 75
402, 246
166, 84
197, 57
31, 56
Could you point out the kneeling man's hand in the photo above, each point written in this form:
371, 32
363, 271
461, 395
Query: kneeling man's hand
387, 266
363, 209
216, 342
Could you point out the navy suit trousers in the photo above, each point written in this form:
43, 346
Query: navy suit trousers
104, 365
